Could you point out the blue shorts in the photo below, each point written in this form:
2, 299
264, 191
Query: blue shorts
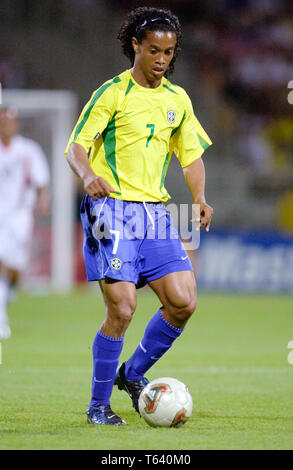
130, 241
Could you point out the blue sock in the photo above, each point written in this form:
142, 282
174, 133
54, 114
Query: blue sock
106, 353
158, 338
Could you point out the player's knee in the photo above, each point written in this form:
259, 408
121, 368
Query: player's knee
183, 305
125, 313
123, 310
185, 310
182, 298
192, 305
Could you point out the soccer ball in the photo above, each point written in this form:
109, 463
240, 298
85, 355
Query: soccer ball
165, 402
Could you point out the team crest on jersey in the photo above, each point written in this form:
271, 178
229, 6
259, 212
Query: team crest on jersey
171, 114
116, 263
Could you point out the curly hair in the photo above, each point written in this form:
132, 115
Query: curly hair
144, 19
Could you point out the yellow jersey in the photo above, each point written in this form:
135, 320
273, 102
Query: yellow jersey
130, 132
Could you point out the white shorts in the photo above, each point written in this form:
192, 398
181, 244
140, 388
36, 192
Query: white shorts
15, 238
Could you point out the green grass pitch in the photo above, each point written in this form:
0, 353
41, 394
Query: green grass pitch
233, 355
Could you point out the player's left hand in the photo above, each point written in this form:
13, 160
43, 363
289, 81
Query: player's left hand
203, 215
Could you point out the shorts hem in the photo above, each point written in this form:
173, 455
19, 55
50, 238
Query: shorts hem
169, 268
109, 277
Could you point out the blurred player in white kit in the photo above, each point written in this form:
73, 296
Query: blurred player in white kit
24, 180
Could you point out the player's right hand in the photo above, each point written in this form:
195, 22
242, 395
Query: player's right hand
97, 187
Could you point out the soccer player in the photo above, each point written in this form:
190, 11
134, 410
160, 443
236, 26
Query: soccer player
24, 179
121, 148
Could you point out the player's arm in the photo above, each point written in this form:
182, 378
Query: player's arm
195, 177
43, 200
94, 185
39, 176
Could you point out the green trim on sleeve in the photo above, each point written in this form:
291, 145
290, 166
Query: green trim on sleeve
175, 128
130, 85
95, 98
109, 139
164, 171
170, 89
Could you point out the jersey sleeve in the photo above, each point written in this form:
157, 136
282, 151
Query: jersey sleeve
39, 168
190, 140
94, 118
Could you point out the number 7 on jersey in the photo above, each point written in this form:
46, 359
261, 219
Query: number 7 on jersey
152, 128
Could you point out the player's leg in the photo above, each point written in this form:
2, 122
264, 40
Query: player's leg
114, 260
15, 238
167, 269
13, 276
104, 261
177, 293
5, 331
9, 279
120, 303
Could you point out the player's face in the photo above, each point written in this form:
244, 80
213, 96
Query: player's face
8, 125
153, 55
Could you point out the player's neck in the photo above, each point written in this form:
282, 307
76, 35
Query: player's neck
141, 79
